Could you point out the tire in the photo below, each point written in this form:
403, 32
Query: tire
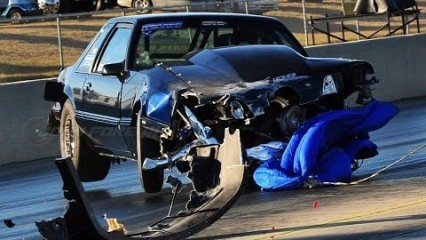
16, 15
89, 165
100, 5
141, 6
151, 180
291, 118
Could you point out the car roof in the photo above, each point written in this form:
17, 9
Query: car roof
194, 16
203, 16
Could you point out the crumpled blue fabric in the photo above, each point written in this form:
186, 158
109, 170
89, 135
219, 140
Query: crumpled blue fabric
267, 151
325, 146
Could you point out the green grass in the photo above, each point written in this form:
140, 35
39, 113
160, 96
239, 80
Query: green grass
30, 50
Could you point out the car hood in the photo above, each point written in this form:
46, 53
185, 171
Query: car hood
221, 71
213, 72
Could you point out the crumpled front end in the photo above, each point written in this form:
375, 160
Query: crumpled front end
212, 196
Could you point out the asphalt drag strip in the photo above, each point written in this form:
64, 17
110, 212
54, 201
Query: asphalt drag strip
391, 205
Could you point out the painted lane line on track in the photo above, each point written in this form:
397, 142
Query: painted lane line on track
366, 214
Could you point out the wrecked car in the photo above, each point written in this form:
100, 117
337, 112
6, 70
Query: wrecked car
191, 91
152, 88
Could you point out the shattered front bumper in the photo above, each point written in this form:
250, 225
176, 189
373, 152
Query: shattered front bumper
202, 208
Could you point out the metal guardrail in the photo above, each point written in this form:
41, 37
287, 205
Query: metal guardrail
125, 11
220, 6
60, 37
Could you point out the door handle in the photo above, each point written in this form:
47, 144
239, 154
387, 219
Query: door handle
88, 87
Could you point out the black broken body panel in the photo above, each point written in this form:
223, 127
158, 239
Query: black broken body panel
246, 87
250, 70
254, 77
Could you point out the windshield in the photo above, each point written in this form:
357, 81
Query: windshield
170, 41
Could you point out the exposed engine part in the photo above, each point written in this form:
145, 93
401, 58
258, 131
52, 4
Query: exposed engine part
165, 161
203, 133
184, 132
281, 101
227, 108
237, 110
204, 137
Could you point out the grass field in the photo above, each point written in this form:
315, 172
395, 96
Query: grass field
30, 50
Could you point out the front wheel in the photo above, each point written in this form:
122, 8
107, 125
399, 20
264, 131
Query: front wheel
290, 119
89, 165
151, 180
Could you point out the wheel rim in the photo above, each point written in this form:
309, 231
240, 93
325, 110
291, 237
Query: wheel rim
69, 138
15, 16
141, 4
290, 120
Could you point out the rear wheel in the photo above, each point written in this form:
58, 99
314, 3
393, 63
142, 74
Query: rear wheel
151, 180
15, 15
89, 165
142, 5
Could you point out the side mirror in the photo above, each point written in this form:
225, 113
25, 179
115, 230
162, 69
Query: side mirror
114, 69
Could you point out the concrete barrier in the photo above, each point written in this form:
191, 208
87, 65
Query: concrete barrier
399, 63
22, 123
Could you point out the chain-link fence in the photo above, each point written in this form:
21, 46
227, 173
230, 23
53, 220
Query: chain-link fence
39, 47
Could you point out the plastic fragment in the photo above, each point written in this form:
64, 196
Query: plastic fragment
9, 223
115, 226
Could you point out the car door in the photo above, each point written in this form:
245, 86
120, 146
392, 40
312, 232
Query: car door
102, 94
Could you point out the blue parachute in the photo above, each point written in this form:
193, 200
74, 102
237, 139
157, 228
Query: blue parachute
325, 146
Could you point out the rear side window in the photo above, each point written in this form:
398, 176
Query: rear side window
87, 62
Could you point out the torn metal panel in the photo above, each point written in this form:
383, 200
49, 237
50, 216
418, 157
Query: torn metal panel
202, 209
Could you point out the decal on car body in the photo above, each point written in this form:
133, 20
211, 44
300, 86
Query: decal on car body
148, 28
287, 77
214, 23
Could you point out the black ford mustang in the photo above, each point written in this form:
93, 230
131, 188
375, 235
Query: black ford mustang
151, 88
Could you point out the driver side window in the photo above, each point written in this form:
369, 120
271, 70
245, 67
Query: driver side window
116, 49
